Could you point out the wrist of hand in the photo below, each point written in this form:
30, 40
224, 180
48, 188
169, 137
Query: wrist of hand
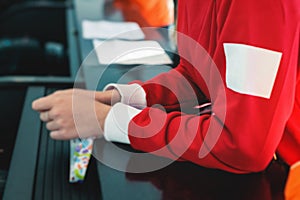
102, 111
109, 97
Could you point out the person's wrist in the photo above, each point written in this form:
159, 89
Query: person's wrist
102, 113
109, 97
115, 96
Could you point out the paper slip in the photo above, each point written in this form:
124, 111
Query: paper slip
107, 29
80, 154
130, 52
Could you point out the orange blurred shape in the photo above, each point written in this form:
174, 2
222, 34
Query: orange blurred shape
157, 13
292, 188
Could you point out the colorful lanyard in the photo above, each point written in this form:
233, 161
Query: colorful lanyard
80, 154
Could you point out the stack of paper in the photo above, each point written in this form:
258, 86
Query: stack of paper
130, 52
123, 43
107, 29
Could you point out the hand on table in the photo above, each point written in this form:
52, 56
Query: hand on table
74, 113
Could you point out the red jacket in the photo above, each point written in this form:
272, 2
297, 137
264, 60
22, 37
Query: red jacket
250, 42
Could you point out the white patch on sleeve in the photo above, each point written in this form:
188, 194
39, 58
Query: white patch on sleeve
251, 70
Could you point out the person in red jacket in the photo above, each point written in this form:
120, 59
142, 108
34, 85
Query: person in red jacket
154, 13
251, 85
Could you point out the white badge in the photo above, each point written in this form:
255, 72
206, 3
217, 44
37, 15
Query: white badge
251, 70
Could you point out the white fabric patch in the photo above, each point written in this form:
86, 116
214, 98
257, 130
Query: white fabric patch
251, 70
117, 122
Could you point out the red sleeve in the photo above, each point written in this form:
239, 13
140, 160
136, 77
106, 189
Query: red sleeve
173, 90
247, 138
289, 147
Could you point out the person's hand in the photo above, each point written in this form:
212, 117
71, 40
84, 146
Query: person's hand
72, 113
109, 97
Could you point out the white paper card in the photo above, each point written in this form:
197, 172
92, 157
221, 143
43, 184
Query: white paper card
251, 70
108, 29
130, 52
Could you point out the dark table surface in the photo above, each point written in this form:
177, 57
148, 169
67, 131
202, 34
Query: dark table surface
183, 180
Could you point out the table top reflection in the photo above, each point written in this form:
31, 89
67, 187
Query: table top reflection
185, 180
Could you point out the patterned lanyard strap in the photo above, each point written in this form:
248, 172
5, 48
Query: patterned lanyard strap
80, 154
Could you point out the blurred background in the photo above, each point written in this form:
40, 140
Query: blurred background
41, 45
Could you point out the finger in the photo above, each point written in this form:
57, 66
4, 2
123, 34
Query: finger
44, 116
57, 135
70, 91
41, 104
61, 135
52, 126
